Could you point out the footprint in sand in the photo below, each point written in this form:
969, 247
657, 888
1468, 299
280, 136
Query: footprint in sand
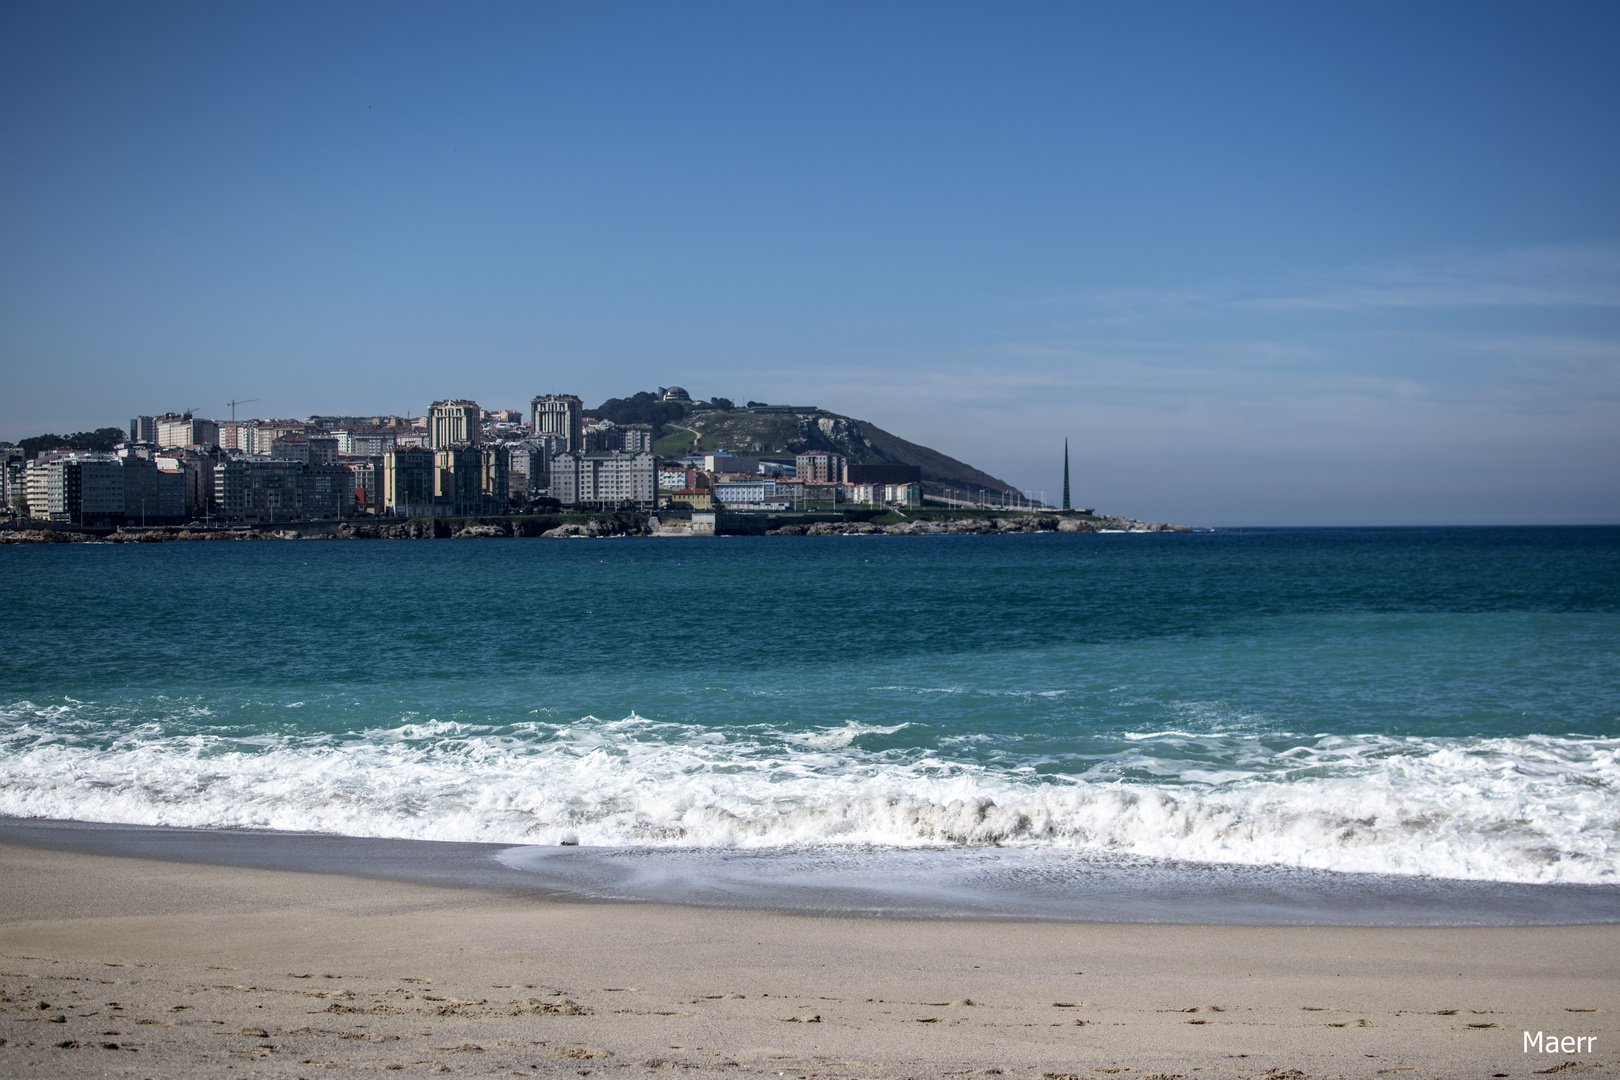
579, 1053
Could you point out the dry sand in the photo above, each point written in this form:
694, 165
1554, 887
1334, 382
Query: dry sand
131, 967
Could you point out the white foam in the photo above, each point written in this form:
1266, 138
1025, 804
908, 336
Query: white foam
1531, 809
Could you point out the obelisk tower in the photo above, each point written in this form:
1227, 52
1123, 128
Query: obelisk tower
1065, 474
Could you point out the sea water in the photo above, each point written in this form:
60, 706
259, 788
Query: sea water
1423, 703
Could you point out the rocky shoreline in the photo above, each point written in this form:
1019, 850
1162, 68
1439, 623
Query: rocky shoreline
978, 527
553, 527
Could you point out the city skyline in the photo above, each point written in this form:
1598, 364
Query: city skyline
1258, 264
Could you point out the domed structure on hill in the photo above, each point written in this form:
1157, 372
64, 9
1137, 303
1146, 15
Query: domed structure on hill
674, 393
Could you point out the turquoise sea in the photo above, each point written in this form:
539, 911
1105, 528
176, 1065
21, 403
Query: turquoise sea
1442, 703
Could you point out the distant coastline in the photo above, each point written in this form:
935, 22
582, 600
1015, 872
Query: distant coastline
611, 524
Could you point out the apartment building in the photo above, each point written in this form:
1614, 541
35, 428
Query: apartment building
451, 423
561, 415
821, 467
408, 481
607, 479
183, 429
260, 489
606, 436
310, 449
367, 475
450, 482
359, 443
82, 487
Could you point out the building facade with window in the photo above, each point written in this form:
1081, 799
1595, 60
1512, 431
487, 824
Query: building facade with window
607, 479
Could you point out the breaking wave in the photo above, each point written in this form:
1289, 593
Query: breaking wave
1524, 809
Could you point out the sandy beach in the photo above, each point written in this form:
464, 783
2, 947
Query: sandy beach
135, 967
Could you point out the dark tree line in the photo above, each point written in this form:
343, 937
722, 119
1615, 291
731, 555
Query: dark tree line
100, 439
641, 408
646, 408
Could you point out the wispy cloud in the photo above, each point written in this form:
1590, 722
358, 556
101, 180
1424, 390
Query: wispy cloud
1586, 276
1546, 277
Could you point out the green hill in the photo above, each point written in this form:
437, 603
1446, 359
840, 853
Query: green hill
782, 435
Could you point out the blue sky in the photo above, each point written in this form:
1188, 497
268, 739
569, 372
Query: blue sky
1260, 263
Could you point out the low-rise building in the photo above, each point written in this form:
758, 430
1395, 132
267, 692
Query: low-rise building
731, 463
745, 492
866, 494
903, 494
696, 498
825, 494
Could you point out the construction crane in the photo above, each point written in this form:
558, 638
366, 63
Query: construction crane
235, 403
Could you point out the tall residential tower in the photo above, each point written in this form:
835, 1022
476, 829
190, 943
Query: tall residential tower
453, 423
559, 414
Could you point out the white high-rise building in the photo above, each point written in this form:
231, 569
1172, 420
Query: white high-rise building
559, 414
453, 422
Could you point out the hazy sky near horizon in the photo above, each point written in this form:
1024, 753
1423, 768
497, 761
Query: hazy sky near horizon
1261, 263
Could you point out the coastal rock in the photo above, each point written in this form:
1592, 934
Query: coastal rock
1026, 524
470, 531
592, 527
41, 536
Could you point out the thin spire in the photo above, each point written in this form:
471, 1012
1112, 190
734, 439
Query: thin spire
1065, 474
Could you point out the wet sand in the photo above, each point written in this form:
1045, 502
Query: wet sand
138, 967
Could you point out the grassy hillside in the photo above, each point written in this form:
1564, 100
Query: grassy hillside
782, 435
